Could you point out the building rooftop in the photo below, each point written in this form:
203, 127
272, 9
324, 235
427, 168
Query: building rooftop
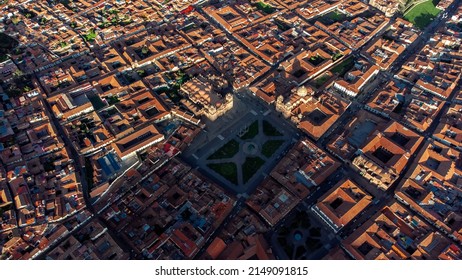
386, 49
272, 201
436, 246
386, 153
174, 205
357, 27
392, 233
139, 140
304, 166
436, 68
449, 130
98, 98
352, 136
354, 81
235, 62
341, 204
318, 114
432, 184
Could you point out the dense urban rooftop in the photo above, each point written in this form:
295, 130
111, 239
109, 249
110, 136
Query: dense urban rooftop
239, 129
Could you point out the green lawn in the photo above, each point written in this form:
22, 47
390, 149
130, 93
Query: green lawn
270, 147
267, 9
316, 60
337, 16
96, 102
321, 80
90, 36
228, 170
250, 167
332, 17
252, 132
112, 100
270, 130
336, 56
423, 14
343, 67
228, 150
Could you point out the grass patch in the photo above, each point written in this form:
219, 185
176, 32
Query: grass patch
289, 250
270, 130
332, 17
315, 232
112, 100
90, 36
228, 170
316, 60
337, 16
266, 8
336, 56
252, 132
343, 67
96, 102
422, 15
250, 167
321, 80
189, 27
228, 150
270, 147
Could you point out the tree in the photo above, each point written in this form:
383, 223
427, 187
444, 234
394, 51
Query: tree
145, 50
141, 72
15, 20
17, 73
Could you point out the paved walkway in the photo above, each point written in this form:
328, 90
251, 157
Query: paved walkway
227, 128
239, 158
260, 139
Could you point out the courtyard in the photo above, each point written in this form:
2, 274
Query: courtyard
242, 156
239, 149
301, 238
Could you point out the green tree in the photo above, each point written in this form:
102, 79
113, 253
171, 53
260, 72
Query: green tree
141, 72
17, 73
15, 20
